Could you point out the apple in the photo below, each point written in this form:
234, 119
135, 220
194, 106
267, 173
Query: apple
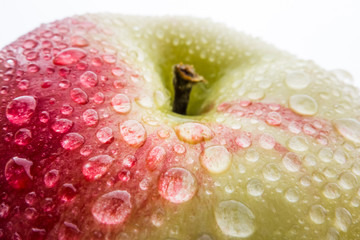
124, 127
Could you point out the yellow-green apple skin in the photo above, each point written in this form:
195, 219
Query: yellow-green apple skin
90, 147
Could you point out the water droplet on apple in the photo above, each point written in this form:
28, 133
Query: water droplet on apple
243, 140
267, 141
133, 133
90, 117
79, 41
298, 144
158, 217
44, 116
20, 110
79, 96
105, 135
331, 191
23, 85
96, 167
255, 187
51, 178
67, 192
62, 125
179, 148
317, 214
343, 219
99, 98
155, 158
177, 185
17, 172
88, 79
193, 132
235, 219
31, 198
110, 59
325, 155
273, 119
216, 159
23, 137
112, 208
303, 105
347, 181
292, 195
72, 141
30, 44
4, 210
68, 231
349, 128
31, 214
252, 155
66, 110
271, 172
291, 162
297, 80
69, 56
121, 103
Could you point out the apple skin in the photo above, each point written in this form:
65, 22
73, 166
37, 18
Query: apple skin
90, 148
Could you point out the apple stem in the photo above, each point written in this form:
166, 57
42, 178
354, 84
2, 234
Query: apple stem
184, 79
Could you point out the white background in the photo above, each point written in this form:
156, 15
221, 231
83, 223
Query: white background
326, 31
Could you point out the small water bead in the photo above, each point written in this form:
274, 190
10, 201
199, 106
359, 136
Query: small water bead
97, 62
62, 125
255, 187
158, 217
347, 181
297, 80
31, 213
79, 96
349, 128
51, 178
79, 41
179, 148
67, 192
295, 127
271, 172
243, 140
90, 117
343, 219
23, 137
68, 231
31, 198
216, 159
30, 44
325, 155
235, 219
110, 59
193, 132
252, 155
23, 85
99, 98
69, 56
72, 141
20, 110
298, 144
267, 141
4, 210
310, 160
331, 191
317, 214
112, 208
291, 162
303, 105
145, 101
33, 68
96, 167
121, 103
177, 185
105, 135
273, 119
18, 172
48, 205
292, 195
155, 158
88, 79
133, 133
64, 84
44, 117
356, 168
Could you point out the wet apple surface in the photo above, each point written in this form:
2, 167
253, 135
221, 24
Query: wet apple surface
90, 147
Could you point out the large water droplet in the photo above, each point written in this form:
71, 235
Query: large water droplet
349, 128
177, 185
343, 219
121, 103
96, 167
20, 110
297, 80
331, 191
216, 159
155, 158
88, 79
235, 219
79, 96
17, 172
69, 56
90, 117
303, 105
62, 125
317, 214
347, 181
23, 137
133, 133
193, 132
72, 141
112, 208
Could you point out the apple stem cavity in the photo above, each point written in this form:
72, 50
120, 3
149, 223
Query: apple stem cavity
184, 79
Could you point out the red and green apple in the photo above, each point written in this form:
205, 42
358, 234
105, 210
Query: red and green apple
123, 127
